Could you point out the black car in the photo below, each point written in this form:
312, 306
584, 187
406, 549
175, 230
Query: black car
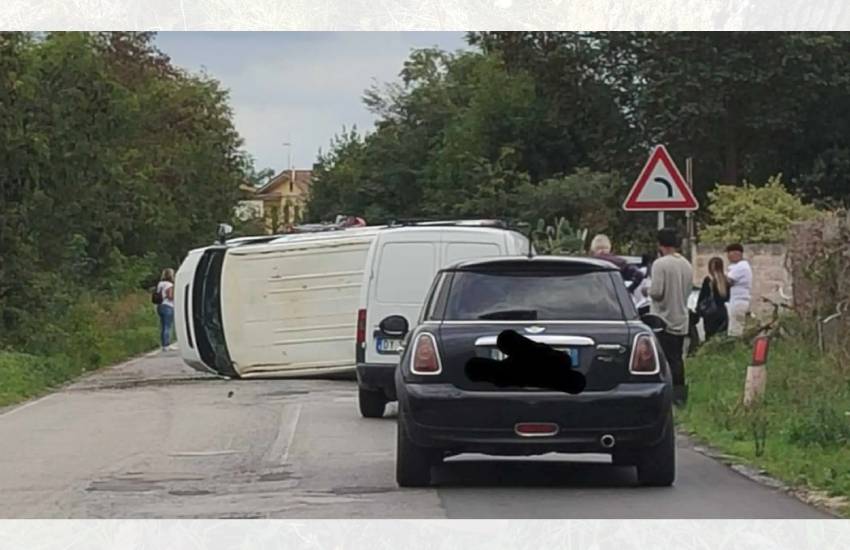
578, 306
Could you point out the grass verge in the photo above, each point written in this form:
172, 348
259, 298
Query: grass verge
92, 334
800, 433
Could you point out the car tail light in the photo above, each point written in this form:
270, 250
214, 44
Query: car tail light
644, 355
426, 360
361, 326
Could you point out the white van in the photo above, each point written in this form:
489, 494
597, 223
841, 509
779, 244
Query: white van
401, 265
273, 307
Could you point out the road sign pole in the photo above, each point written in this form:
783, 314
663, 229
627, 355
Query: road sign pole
661, 219
689, 215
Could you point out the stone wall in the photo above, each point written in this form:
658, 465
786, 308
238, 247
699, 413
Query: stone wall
819, 259
769, 271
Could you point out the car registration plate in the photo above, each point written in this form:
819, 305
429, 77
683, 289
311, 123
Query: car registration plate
572, 352
388, 345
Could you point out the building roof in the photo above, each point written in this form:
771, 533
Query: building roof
274, 187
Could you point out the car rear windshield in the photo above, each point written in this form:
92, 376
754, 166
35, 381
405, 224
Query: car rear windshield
531, 296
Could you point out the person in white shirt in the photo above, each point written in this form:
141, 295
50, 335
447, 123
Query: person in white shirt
740, 277
165, 309
640, 295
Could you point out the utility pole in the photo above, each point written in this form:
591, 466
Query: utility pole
288, 146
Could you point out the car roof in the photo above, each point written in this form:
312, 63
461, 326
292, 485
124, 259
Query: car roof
634, 260
580, 262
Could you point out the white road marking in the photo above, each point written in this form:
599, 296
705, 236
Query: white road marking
207, 453
27, 405
292, 429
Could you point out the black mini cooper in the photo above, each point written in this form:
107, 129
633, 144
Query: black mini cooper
576, 306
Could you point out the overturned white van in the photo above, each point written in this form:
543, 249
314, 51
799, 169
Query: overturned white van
272, 307
287, 305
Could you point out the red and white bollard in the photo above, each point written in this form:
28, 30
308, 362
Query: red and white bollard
756, 372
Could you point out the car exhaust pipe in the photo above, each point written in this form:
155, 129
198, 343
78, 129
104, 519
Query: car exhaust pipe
607, 441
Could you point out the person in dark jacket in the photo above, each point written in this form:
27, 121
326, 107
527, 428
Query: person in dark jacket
600, 247
711, 303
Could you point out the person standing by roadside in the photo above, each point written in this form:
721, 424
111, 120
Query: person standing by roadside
165, 307
713, 296
672, 280
740, 277
600, 247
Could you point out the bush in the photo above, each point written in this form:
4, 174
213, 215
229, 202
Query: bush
753, 214
823, 424
93, 332
558, 239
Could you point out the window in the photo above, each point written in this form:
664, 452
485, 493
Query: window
405, 272
533, 296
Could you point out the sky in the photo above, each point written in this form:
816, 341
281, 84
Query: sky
298, 87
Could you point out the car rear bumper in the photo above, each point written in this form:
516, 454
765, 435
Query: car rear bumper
372, 376
446, 417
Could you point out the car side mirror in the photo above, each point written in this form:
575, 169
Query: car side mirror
224, 231
394, 325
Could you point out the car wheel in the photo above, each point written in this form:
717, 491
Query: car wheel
372, 403
656, 466
412, 462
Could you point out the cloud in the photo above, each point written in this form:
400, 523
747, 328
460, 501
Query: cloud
301, 87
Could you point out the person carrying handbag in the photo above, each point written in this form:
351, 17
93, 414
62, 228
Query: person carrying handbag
711, 303
163, 298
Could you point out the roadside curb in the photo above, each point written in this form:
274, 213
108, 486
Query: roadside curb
812, 497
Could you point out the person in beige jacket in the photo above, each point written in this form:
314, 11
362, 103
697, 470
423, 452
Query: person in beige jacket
672, 282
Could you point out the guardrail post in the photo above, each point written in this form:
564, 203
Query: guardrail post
756, 372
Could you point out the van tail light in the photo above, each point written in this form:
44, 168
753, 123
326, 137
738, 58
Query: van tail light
426, 360
361, 327
644, 355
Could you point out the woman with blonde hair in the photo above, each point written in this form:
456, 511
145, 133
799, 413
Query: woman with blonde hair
164, 299
711, 303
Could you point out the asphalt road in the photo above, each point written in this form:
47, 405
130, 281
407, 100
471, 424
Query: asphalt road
153, 439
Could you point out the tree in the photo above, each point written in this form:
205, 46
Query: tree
113, 163
754, 214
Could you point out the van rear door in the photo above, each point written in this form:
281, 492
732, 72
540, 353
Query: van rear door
404, 266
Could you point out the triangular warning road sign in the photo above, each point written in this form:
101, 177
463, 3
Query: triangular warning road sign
660, 186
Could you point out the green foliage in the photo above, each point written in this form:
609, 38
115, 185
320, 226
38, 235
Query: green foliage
508, 127
800, 431
113, 163
94, 331
467, 134
821, 424
559, 239
754, 214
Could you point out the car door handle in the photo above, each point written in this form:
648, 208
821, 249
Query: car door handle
611, 347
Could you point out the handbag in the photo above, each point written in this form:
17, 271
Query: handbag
156, 296
707, 307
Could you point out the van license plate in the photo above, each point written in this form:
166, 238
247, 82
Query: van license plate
497, 354
388, 345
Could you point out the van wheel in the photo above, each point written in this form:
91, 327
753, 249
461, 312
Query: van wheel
656, 466
412, 462
372, 403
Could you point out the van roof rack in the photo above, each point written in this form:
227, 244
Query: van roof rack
406, 222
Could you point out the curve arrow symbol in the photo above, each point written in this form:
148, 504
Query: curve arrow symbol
667, 184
